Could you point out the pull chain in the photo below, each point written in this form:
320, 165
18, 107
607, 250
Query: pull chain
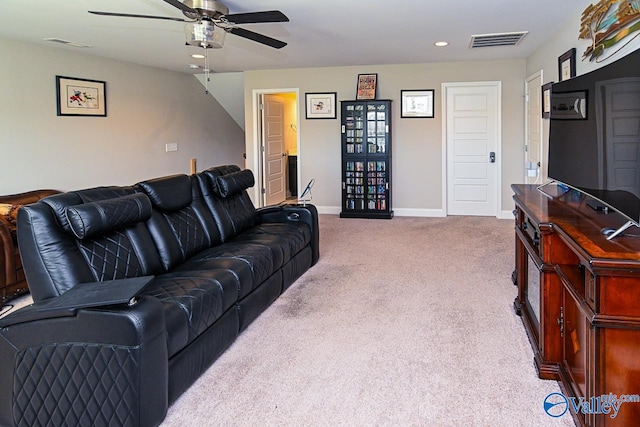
206, 70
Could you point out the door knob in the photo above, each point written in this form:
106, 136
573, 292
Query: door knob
492, 157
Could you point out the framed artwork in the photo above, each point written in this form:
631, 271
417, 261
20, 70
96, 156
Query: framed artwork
567, 65
569, 105
320, 105
417, 103
546, 100
367, 84
608, 25
81, 97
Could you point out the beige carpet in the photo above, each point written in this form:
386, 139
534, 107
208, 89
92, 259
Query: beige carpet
402, 322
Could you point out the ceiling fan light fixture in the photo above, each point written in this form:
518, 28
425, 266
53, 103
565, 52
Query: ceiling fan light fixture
204, 34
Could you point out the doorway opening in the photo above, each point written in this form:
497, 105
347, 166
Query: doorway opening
276, 146
533, 148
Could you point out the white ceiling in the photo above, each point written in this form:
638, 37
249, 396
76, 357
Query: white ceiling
321, 33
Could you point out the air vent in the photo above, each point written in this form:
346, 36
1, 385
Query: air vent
67, 42
497, 39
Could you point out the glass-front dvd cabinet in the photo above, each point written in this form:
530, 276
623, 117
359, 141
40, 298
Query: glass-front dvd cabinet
366, 159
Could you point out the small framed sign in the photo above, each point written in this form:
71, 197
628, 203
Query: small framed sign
567, 65
81, 97
546, 100
367, 84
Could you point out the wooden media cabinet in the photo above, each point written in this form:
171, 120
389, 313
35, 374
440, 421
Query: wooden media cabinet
579, 299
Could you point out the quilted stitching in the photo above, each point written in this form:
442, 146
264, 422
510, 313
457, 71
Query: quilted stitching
201, 299
124, 210
111, 257
189, 231
240, 216
258, 257
76, 385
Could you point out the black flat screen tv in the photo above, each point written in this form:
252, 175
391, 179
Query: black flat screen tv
594, 136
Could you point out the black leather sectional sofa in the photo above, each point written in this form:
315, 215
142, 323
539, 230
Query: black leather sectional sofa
138, 290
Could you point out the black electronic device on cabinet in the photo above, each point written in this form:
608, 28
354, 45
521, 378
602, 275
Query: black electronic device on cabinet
366, 159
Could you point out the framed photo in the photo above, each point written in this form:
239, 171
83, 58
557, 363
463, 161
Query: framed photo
367, 84
321, 105
569, 105
417, 103
546, 100
567, 65
81, 97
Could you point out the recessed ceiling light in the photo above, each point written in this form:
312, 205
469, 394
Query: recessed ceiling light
197, 56
441, 44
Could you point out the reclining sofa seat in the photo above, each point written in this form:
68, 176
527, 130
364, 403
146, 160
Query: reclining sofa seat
239, 221
216, 264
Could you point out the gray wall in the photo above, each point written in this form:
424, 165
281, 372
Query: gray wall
147, 108
417, 143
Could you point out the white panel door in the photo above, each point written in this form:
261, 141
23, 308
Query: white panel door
472, 135
273, 139
533, 144
622, 134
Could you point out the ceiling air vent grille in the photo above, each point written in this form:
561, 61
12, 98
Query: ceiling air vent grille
497, 39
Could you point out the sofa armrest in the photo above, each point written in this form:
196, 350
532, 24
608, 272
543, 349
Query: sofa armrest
295, 213
83, 295
97, 366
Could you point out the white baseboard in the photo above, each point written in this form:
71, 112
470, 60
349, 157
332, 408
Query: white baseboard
506, 215
328, 210
335, 210
430, 213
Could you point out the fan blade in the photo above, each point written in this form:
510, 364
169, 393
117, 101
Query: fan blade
182, 6
129, 15
257, 17
260, 38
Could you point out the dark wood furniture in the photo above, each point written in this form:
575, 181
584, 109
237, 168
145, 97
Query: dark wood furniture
579, 299
12, 280
292, 168
366, 159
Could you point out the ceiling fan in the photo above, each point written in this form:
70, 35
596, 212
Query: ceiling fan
208, 22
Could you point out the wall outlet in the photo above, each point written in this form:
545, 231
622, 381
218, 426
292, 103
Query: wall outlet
171, 147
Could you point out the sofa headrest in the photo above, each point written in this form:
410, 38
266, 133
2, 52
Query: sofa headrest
59, 202
90, 219
169, 193
222, 170
233, 183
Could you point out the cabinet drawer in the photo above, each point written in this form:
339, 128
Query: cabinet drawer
532, 233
